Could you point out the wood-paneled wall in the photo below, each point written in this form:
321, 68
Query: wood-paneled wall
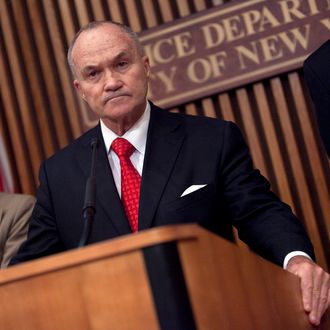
40, 111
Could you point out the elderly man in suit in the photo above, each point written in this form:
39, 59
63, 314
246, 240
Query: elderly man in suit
155, 168
15, 212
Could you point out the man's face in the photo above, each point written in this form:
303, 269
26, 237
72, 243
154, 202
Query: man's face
111, 76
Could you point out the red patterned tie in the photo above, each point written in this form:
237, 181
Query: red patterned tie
130, 181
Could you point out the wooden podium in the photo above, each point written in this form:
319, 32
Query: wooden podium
175, 277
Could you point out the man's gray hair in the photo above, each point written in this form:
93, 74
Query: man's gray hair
95, 24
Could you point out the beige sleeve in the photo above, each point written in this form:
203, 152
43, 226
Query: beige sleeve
16, 212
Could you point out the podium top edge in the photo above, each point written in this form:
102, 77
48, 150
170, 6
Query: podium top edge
105, 249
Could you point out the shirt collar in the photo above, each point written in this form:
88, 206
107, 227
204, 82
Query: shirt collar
136, 135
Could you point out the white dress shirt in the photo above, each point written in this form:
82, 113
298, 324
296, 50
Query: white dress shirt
137, 136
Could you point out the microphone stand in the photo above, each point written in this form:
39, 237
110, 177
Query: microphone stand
89, 208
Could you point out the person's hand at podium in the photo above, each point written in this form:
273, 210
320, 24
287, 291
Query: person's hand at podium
315, 287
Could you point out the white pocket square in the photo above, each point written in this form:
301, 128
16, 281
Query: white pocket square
192, 188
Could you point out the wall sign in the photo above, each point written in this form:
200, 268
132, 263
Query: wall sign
232, 45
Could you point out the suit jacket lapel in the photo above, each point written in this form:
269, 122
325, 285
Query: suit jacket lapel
164, 141
106, 191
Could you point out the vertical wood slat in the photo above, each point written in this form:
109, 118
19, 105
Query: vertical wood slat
190, 109
310, 142
226, 109
209, 110
48, 78
69, 32
304, 194
319, 177
24, 180
67, 19
69, 97
133, 19
183, 8
273, 145
200, 5
166, 12
250, 128
150, 13
82, 12
218, 2
20, 89
114, 9
98, 10
32, 67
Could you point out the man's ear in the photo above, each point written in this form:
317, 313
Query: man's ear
78, 88
146, 64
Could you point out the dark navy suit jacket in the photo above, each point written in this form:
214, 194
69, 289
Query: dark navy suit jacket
181, 151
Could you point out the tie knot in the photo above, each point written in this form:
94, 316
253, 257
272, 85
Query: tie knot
122, 147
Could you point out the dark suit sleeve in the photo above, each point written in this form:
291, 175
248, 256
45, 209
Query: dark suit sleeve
265, 223
43, 238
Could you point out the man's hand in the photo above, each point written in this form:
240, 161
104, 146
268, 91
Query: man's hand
315, 287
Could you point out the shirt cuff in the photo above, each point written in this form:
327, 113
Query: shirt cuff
294, 254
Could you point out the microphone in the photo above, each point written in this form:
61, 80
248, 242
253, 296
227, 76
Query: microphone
89, 209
